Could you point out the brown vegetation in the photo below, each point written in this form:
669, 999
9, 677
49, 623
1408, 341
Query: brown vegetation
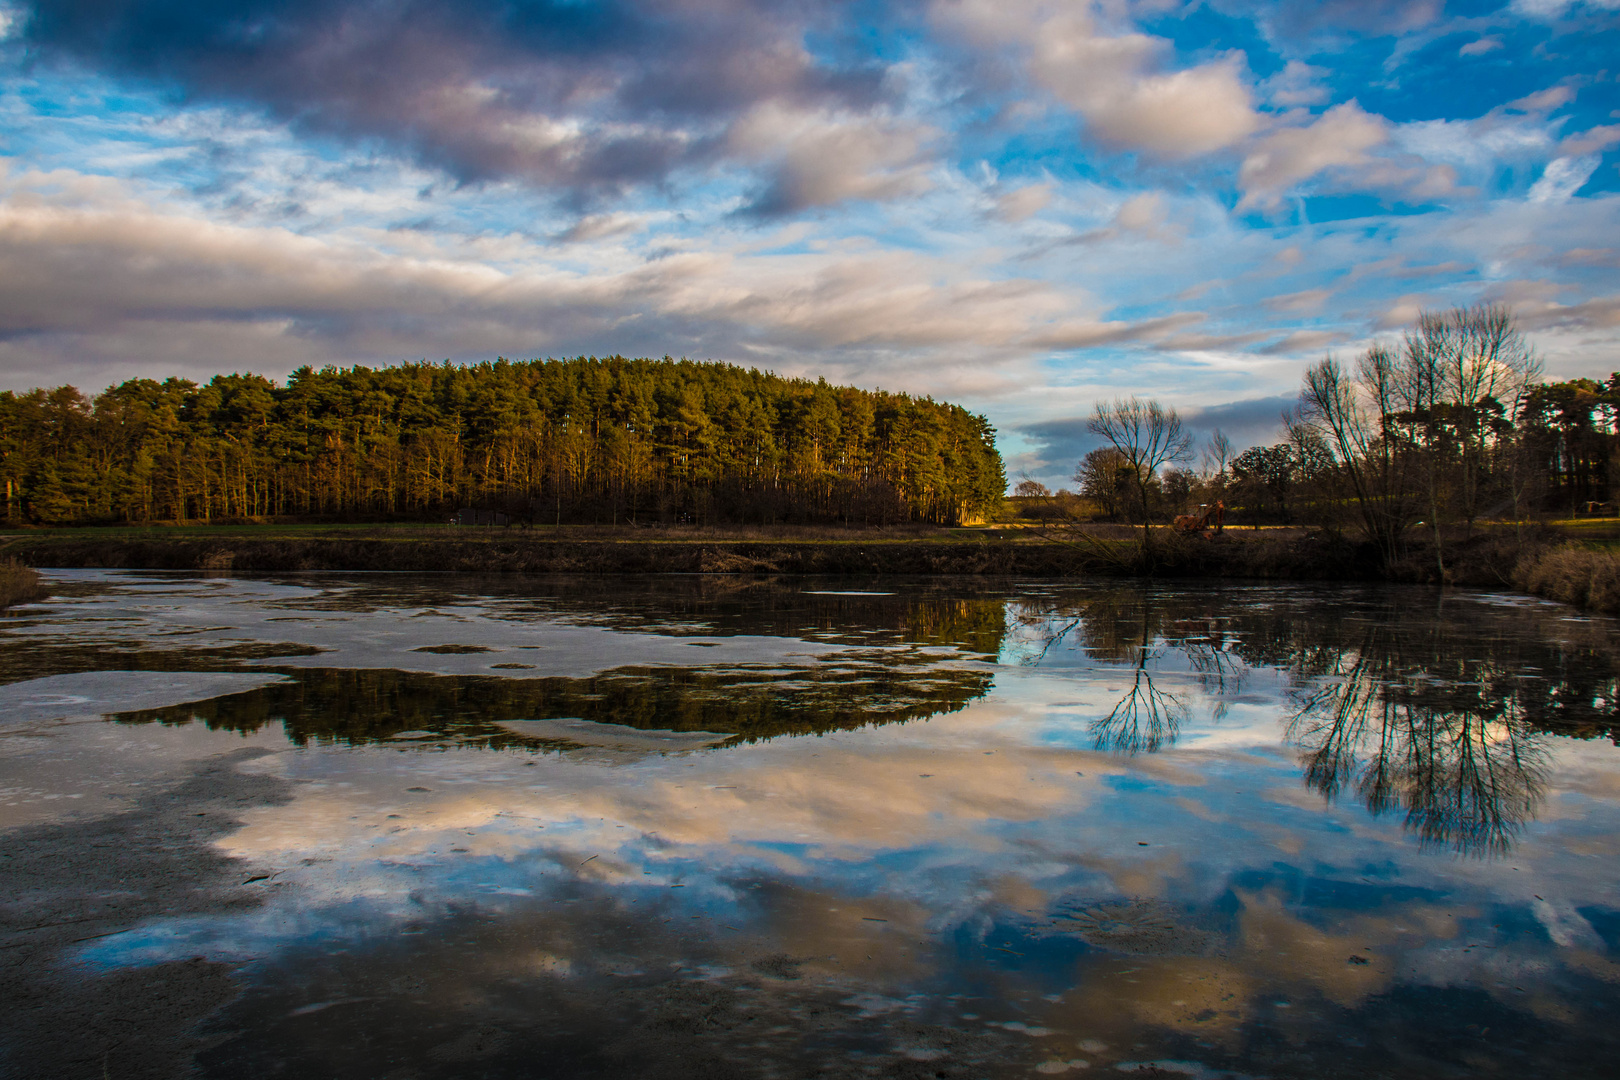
19, 584
1588, 579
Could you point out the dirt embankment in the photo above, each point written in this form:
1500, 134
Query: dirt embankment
1286, 557
525, 556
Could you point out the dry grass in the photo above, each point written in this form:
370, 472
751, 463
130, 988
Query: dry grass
19, 584
1580, 576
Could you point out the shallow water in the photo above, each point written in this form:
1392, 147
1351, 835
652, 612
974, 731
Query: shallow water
683, 825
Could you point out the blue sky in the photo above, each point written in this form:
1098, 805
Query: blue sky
1019, 205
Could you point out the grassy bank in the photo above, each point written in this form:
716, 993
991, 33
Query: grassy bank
19, 584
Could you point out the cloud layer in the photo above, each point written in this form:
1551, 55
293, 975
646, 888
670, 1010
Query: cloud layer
1025, 205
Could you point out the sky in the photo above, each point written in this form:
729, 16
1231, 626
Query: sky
1021, 206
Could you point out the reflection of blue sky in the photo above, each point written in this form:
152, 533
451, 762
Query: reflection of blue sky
970, 824
1023, 205
932, 857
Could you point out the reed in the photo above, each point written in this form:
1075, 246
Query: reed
1574, 575
19, 584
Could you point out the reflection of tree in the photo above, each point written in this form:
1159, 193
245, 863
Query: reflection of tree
1461, 763
1147, 717
1442, 715
846, 691
902, 661
1114, 627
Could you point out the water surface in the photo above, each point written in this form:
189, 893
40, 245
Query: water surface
681, 825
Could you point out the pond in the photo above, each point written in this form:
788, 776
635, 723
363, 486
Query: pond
381, 825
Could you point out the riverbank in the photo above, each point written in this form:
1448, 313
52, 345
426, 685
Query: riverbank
1543, 562
1110, 550
522, 555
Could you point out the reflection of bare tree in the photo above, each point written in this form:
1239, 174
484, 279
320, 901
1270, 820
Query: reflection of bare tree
1442, 714
1145, 719
1468, 774
1124, 627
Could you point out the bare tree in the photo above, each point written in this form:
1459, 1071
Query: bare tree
1217, 454
1148, 436
1481, 368
1354, 416
1414, 431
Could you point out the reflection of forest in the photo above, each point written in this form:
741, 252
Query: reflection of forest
860, 611
1440, 711
843, 690
356, 706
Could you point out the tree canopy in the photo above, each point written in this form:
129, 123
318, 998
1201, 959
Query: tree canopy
583, 440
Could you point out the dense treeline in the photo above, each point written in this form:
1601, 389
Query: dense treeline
1452, 427
600, 440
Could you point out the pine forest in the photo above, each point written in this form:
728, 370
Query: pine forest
611, 441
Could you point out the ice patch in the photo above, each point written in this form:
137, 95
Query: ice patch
101, 693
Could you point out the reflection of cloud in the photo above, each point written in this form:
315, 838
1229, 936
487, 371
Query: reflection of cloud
835, 803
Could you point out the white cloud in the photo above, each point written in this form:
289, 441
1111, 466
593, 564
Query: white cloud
819, 158
1552, 9
1480, 47
1143, 213
1592, 140
1114, 81
95, 277
1542, 101
1475, 144
1296, 84
1304, 302
1563, 178
1339, 138
1023, 203
602, 227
